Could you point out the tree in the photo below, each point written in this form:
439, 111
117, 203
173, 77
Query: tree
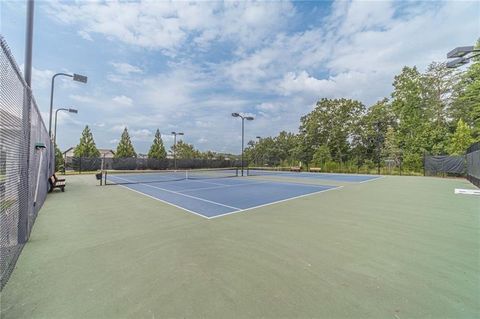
125, 147
331, 123
86, 147
59, 162
369, 135
391, 149
466, 105
461, 139
157, 150
185, 150
321, 156
409, 108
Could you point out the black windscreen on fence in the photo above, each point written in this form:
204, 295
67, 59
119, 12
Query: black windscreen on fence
83, 164
473, 164
26, 162
444, 164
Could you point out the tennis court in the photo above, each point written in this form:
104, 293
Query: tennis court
213, 193
357, 178
396, 247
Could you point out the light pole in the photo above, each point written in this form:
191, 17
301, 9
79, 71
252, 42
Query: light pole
463, 55
76, 77
55, 131
243, 117
175, 148
259, 138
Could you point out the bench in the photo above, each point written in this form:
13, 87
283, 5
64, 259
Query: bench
315, 169
295, 169
56, 183
58, 179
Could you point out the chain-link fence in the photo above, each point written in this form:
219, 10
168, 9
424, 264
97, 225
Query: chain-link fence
26, 162
473, 164
84, 164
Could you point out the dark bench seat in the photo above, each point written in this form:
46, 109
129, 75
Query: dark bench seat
56, 183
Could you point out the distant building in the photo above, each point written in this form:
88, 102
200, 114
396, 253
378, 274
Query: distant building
104, 152
68, 156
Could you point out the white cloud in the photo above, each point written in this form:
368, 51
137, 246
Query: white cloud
169, 26
272, 65
122, 100
141, 135
118, 128
125, 68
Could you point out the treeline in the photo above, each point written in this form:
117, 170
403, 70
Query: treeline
86, 148
436, 112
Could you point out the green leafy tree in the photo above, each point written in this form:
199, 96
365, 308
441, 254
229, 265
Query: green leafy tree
157, 150
185, 151
321, 156
208, 155
466, 105
391, 148
331, 123
59, 162
125, 146
409, 108
86, 147
461, 139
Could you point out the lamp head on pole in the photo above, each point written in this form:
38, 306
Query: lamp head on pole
73, 111
235, 114
80, 78
249, 118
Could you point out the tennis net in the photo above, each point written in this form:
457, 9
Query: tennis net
261, 171
144, 177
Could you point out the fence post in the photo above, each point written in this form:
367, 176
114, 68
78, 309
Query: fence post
424, 163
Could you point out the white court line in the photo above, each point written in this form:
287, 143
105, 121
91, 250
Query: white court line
163, 201
223, 186
276, 202
190, 196
322, 173
373, 179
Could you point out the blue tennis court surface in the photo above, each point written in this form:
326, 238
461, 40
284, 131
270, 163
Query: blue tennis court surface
326, 176
220, 196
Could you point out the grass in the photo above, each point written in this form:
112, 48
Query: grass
398, 247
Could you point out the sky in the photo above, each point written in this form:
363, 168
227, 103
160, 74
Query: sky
186, 66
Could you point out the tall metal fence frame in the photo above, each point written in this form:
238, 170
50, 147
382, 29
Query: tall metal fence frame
473, 164
26, 162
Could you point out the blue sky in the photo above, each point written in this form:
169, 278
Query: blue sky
187, 66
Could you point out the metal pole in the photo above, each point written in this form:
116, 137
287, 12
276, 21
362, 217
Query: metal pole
243, 120
29, 43
51, 106
55, 134
51, 101
175, 151
24, 202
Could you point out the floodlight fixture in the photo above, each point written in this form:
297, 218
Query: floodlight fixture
80, 78
456, 63
460, 52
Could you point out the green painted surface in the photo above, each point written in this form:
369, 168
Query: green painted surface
398, 247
